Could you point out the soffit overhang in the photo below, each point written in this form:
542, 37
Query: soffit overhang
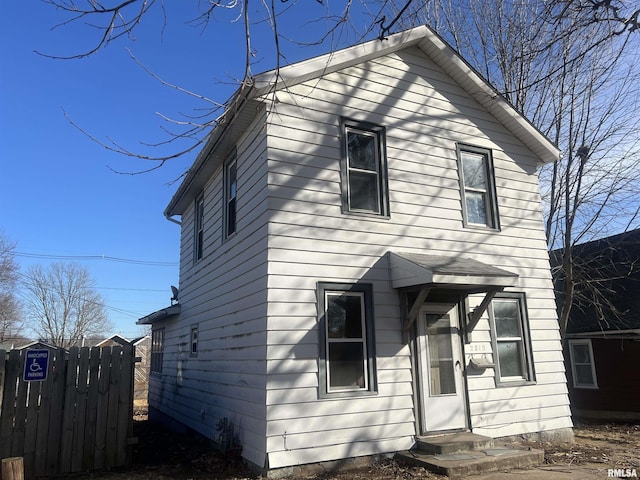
160, 315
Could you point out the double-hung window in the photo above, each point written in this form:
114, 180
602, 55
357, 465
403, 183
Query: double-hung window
511, 341
230, 194
364, 169
477, 185
194, 341
583, 369
198, 236
157, 350
347, 345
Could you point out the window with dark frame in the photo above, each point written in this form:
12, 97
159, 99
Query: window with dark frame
157, 350
198, 247
511, 340
583, 368
364, 169
347, 350
230, 195
194, 341
477, 185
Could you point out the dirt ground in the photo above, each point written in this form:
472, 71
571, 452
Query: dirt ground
161, 454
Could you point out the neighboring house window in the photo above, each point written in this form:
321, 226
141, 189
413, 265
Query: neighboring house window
478, 187
583, 367
194, 341
157, 350
364, 169
347, 349
230, 194
198, 247
511, 341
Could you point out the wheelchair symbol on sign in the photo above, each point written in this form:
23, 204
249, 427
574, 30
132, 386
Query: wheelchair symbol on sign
35, 366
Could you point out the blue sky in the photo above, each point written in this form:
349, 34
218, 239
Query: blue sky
58, 195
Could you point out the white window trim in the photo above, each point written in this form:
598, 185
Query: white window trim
363, 341
198, 222
524, 339
157, 351
232, 160
365, 291
381, 173
491, 204
592, 363
193, 344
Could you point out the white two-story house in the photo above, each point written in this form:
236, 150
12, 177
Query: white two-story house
362, 262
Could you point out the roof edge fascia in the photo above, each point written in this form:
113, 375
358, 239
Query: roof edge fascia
316, 67
481, 90
235, 104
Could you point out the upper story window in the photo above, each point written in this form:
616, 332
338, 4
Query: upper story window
364, 169
230, 194
477, 184
157, 350
583, 368
198, 236
347, 350
511, 341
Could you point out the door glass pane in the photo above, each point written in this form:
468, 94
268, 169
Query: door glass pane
441, 367
346, 365
510, 359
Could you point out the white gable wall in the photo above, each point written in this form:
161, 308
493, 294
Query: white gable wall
224, 294
310, 240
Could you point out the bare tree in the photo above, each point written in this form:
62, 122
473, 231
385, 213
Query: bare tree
10, 319
62, 304
576, 80
568, 65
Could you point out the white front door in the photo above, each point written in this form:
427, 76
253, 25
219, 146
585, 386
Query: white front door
441, 369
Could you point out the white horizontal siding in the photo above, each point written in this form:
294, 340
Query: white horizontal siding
224, 294
311, 241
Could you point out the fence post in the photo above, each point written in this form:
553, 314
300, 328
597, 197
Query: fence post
12, 468
4, 357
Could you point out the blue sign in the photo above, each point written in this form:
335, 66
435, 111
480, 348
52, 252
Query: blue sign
36, 365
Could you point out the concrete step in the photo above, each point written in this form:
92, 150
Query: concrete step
452, 442
472, 462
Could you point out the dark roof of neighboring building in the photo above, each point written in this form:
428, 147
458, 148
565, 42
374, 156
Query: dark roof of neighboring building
608, 268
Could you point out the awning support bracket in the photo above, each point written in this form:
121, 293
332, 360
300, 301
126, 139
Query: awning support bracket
412, 312
474, 317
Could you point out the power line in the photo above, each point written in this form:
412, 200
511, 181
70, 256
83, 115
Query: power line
95, 257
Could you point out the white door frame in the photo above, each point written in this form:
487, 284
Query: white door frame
443, 401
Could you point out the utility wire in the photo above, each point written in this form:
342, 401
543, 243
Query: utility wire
95, 257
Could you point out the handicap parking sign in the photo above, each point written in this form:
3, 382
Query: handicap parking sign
36, 365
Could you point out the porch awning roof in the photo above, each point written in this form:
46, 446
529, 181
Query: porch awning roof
413, 269
163, 314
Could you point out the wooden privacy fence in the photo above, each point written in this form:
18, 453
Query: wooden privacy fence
79, 418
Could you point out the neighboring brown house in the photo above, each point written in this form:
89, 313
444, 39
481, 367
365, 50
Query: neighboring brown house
602, 347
